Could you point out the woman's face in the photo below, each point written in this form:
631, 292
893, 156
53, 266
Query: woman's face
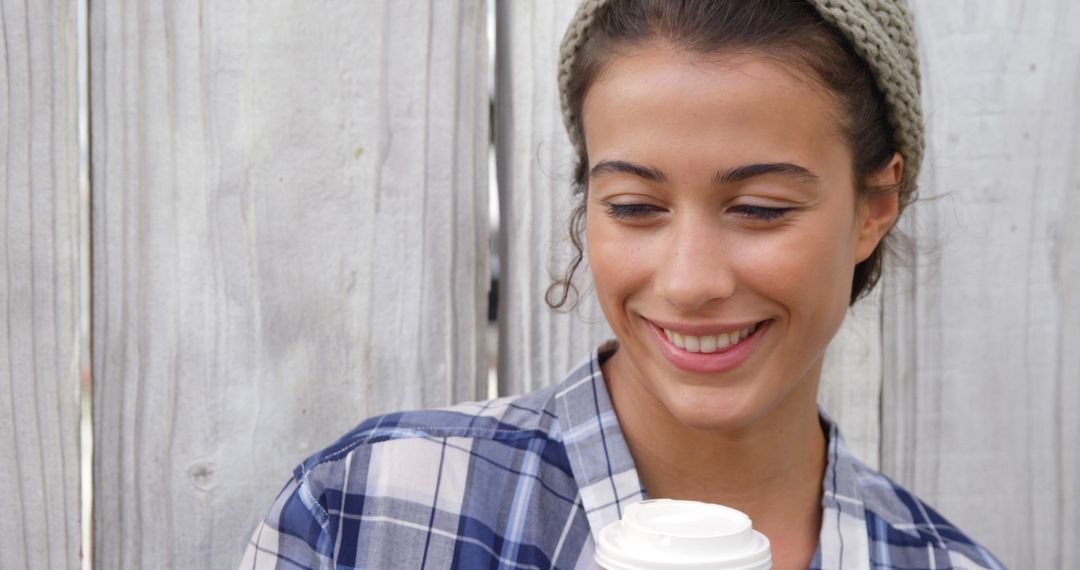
722, 230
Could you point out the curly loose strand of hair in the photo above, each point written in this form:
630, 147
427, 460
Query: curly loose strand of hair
562, 294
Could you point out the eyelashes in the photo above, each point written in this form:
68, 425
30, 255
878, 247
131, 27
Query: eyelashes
623, 211
641, 211
762, 213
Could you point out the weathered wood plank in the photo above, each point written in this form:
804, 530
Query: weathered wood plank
536, 346
288, 236
39, 286
981, 399
535, 160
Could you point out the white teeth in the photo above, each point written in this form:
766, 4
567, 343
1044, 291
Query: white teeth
708, 343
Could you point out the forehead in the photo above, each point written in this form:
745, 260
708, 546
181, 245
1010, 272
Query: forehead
659, 104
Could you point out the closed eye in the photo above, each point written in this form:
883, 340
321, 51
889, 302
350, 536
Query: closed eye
760, 213
630, 211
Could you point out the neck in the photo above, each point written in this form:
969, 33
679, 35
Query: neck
771, 469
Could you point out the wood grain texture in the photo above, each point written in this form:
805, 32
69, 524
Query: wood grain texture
537, 346
39, 286
981, 400
289, 236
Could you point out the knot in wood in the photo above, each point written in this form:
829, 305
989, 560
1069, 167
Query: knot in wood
202, 475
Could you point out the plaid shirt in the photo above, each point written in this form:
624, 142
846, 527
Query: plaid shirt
525, 482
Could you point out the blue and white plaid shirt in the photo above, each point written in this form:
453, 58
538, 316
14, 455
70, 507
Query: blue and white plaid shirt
526, 481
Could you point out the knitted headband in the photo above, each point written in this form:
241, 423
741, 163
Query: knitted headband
882, 33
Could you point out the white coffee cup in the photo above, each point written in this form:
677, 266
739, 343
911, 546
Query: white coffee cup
664, 534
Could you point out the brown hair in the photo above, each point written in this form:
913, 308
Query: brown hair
787, 30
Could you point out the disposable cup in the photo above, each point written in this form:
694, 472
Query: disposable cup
665, 534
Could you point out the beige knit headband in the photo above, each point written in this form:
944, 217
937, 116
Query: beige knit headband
882, 33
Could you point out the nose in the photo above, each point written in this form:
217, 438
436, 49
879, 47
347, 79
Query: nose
696, 268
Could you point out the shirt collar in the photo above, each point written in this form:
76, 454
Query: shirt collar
608, 481
599, 457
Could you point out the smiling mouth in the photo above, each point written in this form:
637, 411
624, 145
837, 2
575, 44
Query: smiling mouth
710, 343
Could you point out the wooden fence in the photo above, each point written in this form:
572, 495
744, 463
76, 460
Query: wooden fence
289, 218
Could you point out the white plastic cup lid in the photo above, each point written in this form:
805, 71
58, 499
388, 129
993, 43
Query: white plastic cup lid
664, 534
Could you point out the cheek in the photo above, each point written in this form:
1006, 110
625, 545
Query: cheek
621, 261
807, 269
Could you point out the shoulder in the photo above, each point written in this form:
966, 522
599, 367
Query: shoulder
400, 451
445, 477
906, 532
510, 421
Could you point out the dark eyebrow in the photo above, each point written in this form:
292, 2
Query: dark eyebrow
623, 167
740, 173
737, 174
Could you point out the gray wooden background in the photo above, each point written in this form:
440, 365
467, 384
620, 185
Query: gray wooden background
289, 233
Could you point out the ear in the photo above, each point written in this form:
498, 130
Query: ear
877, 211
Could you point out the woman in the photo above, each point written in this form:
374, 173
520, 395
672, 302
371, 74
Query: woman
741, 166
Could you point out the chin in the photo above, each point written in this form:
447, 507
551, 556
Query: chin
712, 411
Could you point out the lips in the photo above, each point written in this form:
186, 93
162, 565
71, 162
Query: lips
708, 351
